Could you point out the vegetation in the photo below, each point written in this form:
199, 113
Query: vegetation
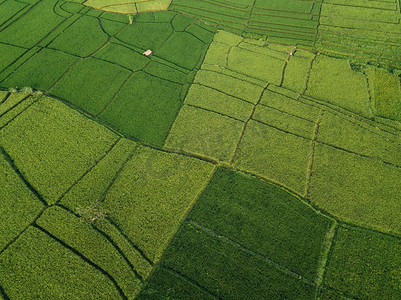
253, 152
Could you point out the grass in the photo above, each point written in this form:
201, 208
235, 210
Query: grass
45, 78
91, 96
387, 94
334, 81
204, 258
86, 36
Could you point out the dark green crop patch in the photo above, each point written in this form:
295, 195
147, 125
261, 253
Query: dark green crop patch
264, 219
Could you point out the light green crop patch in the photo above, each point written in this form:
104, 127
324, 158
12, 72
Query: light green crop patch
35, 262
360, 138
229, 85
219, 102
92, 244
284, 121
90, 189
54, 145
130, 7
370, 261
284, 103
16, 110
356, 189
205, 133
246, 58
275, 155
332, 80
12, 101
19, 206
256, 65
296, 71
152, 194
386, 92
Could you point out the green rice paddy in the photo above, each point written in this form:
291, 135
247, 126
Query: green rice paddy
254, 154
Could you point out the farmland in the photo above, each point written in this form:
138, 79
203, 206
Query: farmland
254, 154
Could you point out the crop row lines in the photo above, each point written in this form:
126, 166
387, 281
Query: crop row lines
10, 161
110, 240
84, 258
186, 278
245, 249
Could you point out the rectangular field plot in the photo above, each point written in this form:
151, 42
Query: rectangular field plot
275, 155
386, 93
211, 99
151, 196
368, 30
205, 133
264, 219
36, 261
357, 189
359, 138
332, 80
370, 262
63, 144
229, 271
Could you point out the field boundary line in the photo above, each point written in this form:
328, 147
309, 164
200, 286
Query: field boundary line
141, 252
312, 157
327, 246
246, 124
22, 231
117, 174
181, 223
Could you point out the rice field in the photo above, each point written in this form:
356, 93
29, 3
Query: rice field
253, 153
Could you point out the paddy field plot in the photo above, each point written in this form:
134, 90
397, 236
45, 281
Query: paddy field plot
255, 154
